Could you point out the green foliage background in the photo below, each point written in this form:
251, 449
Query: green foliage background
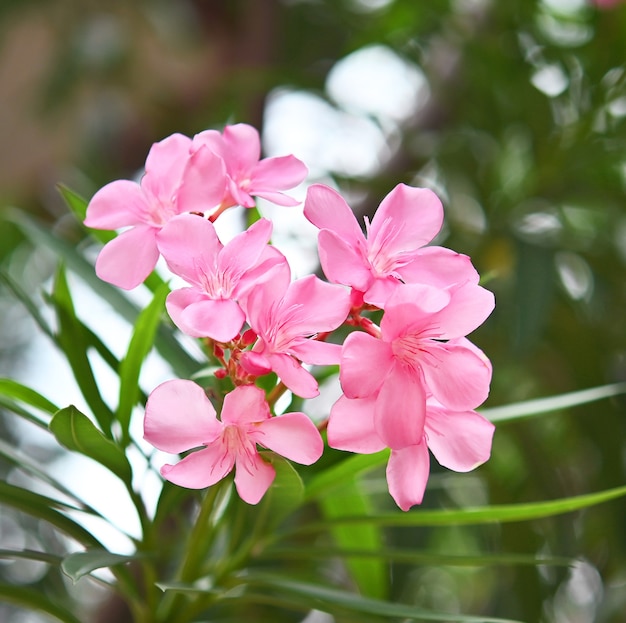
534, 188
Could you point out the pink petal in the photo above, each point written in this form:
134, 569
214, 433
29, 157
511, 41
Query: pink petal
408, 218
242, 149
327, 209
400, 409
439, 267
459, 440
254, 363
280, 199
245, 404
457, 376
407, 475
365, 362
253, 478
314, 352
244, 250
177, 301
203, 183
164, 166
179, 416
190, 247
294, 376
469, 307
291, 435
411, 309
279, 173
200, 469
314, 306
342, 262
118, 204
380, 290
351, 426
221, 319
127, 260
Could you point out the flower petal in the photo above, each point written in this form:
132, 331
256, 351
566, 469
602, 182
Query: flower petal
127, 260
314, 352
400, 409
179, 416
459, 440
457, 376
365, 363
439, 267
245, 404
242, 150
408, 218
291, 435
342, 262
190, 246
165, 164
294, 376
407, 475
203, 182
327, 209
221, 319
253, 478
351, 426
118, 204
279, 173
200, 469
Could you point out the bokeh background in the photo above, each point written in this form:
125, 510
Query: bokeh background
514, 112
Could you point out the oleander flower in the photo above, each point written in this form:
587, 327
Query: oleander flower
174, 182
180, 417
250, 176
394, 251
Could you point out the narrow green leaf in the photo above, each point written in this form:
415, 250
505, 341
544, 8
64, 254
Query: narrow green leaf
336, 601
73, 341
415, 557
79, 564
370, 575
22, 461
478, 515
338, 474
25, 394
76, 203
75, 431
29, 554
45, 508
140, 345
33, 600
531, 408
18, 409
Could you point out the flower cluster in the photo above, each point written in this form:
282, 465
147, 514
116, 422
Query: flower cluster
410, 384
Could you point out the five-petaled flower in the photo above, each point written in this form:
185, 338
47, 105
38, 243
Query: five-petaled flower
180, 417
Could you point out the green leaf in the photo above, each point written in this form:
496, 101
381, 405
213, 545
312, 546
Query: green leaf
473, 516
415, 557
76, 203
75, 431
33, 600
25, 394
79, 564
24, 462
338, 474
337, 601
370, 575
284, 496
29, 554
531, 408
73, 341
45, 508
140, 345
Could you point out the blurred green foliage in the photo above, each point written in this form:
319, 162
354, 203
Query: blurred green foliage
524, 137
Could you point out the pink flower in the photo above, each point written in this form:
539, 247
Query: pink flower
459, 441
231, 442
240, 147
410, 360
219, 275
407, 219
286, 316
174, 182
